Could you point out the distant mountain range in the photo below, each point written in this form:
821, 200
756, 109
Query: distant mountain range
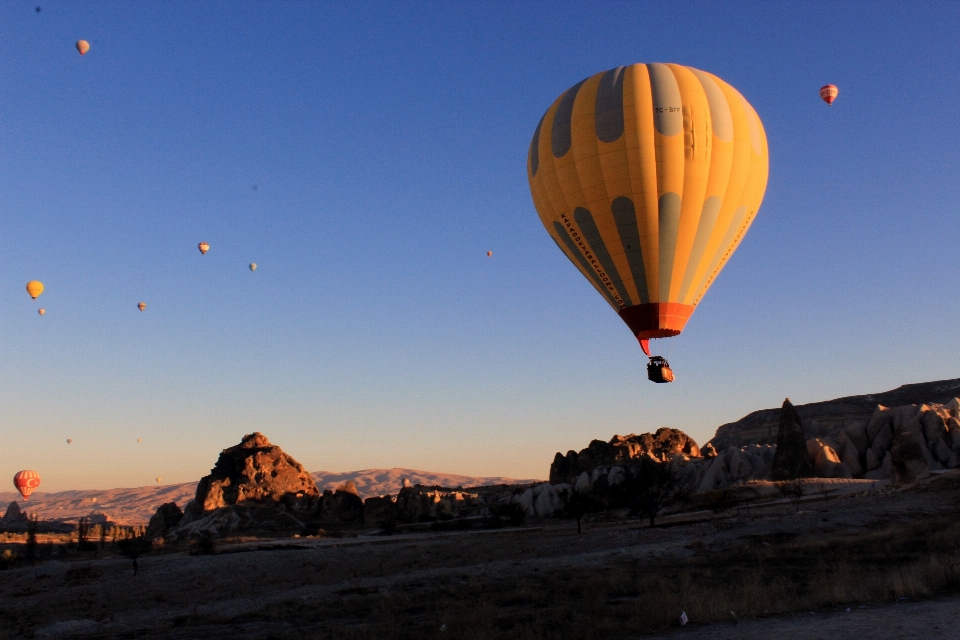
136, 505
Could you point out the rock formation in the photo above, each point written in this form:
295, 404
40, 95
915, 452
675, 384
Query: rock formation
167, 517
14, 515
828, 419
257, 473
792, 458
662, 446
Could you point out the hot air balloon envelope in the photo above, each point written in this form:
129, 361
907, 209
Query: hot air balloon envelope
647, 177
829, 93
489, 253
34, 288
69, 441
83, 46
253, 266
41, 311
142, 306
26, 481
204, 247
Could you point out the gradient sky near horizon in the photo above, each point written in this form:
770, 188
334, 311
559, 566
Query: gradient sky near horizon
387, 143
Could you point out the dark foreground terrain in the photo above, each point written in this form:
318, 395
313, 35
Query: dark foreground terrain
749, 572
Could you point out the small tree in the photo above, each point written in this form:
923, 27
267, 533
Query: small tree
579, 505
793, 490
658, 485
83, 532
32, 526
135, 546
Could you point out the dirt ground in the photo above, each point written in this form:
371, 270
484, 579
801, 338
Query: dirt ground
541, 580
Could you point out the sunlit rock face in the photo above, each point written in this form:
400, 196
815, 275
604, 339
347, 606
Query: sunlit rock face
257, 473
662, 446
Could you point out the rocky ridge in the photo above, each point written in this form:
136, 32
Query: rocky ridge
827, 419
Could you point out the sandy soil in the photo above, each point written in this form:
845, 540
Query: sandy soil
292, 588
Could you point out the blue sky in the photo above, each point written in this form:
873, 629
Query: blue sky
387, 142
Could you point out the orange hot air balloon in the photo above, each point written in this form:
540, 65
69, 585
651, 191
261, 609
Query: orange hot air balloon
41, 311
142, 306
83, 46
26, 481
204, 247
34, 288
828, 93
69, 440
489, 253
647, 177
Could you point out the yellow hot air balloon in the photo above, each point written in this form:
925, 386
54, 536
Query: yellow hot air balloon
34, 288
647, 177
83, 46
253, 266
41, 311
142, 306
159, 479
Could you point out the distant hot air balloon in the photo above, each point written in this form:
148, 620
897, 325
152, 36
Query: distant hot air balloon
41, 311
138, 440
253, 266
647, 177
489, 253
142, 306
828, 93
159, 479
34, 288
25, 482
83, 46
204, 247
69, 440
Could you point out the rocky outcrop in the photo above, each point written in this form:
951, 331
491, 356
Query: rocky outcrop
662, 446
257, 473
239, 519
342, 506
828, 419
167, 517
14, 515
792, 458
908, 458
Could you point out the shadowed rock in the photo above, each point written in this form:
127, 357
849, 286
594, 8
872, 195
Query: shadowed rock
908, 458
14, 514
791, 460
166, 518
828, 418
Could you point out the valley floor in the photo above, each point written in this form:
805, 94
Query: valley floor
769, 565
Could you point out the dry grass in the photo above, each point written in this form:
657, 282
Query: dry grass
756, 578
